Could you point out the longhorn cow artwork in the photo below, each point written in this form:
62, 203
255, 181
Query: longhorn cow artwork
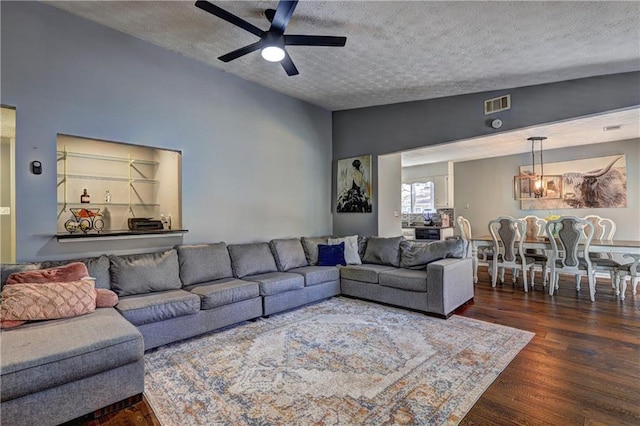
586, 184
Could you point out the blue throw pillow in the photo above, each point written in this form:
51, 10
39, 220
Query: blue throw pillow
331, 255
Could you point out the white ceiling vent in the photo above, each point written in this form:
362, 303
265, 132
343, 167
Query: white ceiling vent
497, 104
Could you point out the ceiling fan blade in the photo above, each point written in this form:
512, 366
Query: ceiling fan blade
288, 65
269, 14
233, 19
283, 14
307, 40
241, 52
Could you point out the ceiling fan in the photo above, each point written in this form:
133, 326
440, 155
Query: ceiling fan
273, 41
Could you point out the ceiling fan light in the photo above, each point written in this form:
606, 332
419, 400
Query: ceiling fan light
273, 53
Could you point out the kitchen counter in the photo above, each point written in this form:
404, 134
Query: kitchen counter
422, 232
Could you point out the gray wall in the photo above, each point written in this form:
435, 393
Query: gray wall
393, 128
256, 164
487, 185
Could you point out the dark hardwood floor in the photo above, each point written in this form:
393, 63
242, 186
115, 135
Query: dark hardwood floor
581, 368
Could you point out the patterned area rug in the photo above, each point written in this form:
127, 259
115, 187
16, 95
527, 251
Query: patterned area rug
338, 362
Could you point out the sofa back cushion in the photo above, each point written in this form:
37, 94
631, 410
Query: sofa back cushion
288, 253
98, 268
251, 259
362, 245
145, 273
310, 245
204, 262
417, 255
383, 251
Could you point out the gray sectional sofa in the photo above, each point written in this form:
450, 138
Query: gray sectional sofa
54, 371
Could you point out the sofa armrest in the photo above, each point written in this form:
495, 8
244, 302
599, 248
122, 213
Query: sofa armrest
449, 285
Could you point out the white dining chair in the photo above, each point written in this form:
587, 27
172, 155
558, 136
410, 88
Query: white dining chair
479, 256
628, 271
506, 233
535, 228
571, 236
604, 229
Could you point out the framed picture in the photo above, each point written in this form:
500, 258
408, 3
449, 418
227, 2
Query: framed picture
599, 182
354, 185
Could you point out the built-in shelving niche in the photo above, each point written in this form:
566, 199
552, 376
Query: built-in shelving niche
143, 182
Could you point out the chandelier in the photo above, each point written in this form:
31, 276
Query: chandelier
533, 184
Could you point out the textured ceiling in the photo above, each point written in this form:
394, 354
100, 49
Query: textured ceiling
396, 51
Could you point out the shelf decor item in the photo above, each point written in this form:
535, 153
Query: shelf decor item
85, 198
84, 220
354, 185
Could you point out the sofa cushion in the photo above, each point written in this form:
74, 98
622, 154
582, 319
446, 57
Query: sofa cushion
153, 307
404, 279
362, 245
277, 282
145, 273
310, 245
204, 262
98, 268
351, 255
331, 255
224, 292
44, 301
71, 272
367, 273
251, 259
383, 251
314, 275
417, 255
288, 253
43, 355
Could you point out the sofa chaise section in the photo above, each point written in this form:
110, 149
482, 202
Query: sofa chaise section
57, 370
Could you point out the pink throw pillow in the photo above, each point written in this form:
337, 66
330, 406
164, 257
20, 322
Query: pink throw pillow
42, 301
106, 298
11, 323
70, 272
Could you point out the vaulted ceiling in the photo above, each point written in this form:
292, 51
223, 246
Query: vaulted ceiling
400, 51
396, 51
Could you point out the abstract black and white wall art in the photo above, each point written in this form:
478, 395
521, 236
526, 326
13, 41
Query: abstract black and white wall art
354, 185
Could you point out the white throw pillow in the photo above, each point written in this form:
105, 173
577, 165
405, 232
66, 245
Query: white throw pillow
351, 255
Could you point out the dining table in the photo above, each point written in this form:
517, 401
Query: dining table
596, 246
631, 248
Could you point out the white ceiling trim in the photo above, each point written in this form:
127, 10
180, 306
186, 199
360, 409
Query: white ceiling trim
583, 131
